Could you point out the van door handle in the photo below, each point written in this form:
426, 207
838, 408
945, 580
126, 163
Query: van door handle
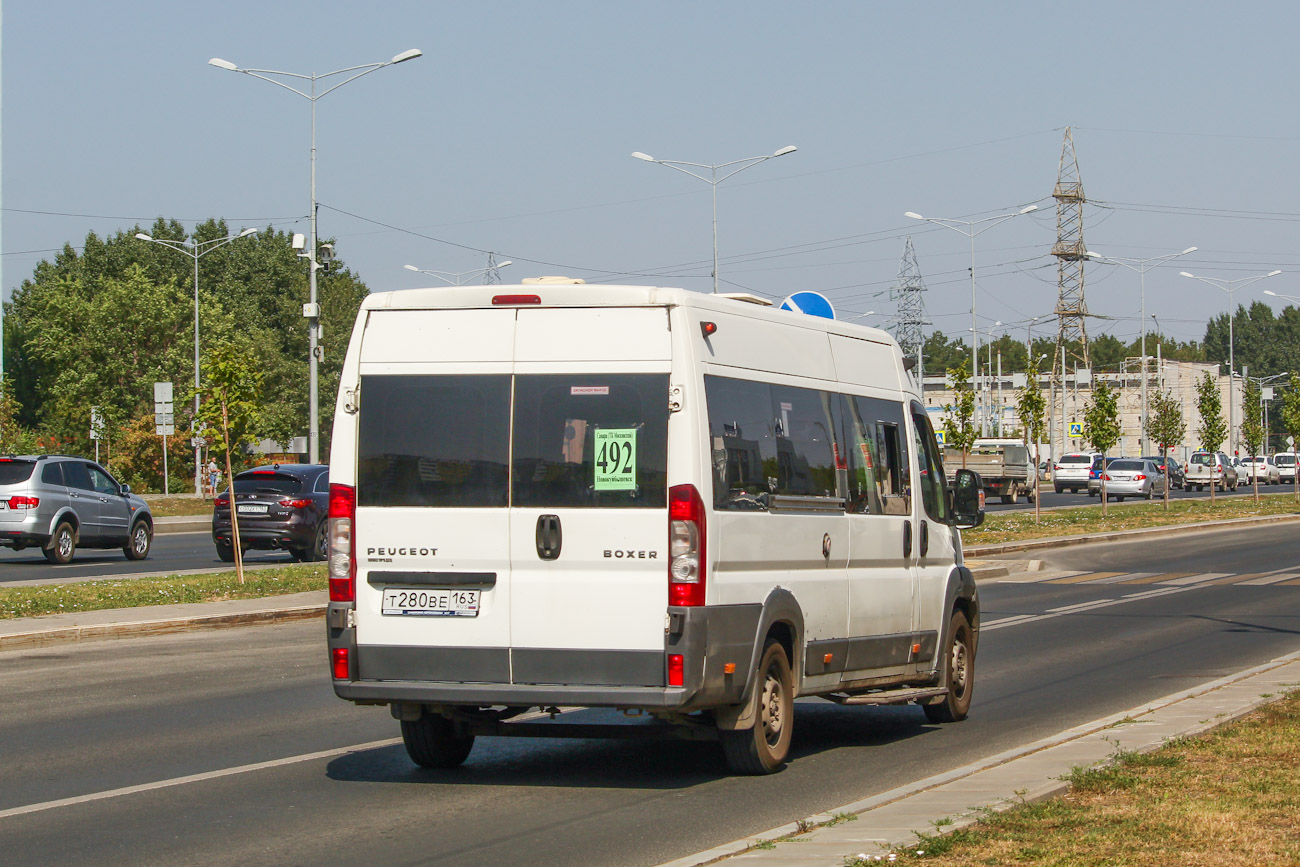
907, 538
925, 538
549, 537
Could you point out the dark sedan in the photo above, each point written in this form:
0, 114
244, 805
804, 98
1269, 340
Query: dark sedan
280, 507
1170, 467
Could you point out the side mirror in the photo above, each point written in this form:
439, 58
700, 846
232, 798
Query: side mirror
967, 500
126, 489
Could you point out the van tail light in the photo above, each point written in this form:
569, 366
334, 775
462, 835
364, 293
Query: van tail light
342, 560
686, 546
339, 656
676, 669
24, 502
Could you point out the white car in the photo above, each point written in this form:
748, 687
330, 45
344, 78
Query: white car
1260, 467
1073, 471
1133, 477
1285, 463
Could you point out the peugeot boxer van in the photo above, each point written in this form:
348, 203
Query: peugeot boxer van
690, 508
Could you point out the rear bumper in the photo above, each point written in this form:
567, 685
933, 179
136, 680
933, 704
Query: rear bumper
292, 535
512, 695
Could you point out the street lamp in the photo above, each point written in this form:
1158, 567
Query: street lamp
985, 427
312, 310
196, 250
713, 180
970, 232
454, 277
1230, 286
1141, 266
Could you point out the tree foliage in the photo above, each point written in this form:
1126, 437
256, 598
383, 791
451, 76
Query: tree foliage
1101, 425
1291, 420
1252, 426
98, 326
1165, 425
1212, 430
961, 425
1031, 408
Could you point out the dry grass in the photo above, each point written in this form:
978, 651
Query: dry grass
1229, 797
172, 507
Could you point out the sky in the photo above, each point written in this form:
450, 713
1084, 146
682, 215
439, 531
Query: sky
512, 135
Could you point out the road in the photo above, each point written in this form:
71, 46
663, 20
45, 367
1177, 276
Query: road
1113, 626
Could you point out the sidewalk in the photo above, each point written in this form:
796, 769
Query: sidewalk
1029, 773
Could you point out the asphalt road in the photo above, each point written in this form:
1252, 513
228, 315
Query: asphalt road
85, 720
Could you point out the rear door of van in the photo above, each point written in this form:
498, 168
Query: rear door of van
588, 518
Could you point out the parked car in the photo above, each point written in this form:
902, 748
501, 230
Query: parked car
1285, 463
1099, 465
1260, 467
280, 507
1133, 477
59, 503
1072, 471
1173, 470
1211, 468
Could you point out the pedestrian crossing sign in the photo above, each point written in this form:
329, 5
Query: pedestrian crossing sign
941, 437
1076, 429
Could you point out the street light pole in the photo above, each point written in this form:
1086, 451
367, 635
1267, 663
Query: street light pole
1230, 286
312, 311
1141, 266
713, 180
196, 250
970, 232
454, 277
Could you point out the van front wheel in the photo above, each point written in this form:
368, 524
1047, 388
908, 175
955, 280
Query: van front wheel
436, 742
958, 674
763, 748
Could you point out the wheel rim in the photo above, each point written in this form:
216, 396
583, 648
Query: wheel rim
773, 708
65, 543
140, 540
959, 667
322, 544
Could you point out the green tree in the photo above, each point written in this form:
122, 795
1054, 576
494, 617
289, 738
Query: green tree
232, 406
1031, 408
1166, 426
1252, 426
1291, 421
1213, 429
961, 415
1101, 426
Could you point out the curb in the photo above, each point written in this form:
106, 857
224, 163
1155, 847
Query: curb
182, 524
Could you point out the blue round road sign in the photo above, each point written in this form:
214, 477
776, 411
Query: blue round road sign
812, 303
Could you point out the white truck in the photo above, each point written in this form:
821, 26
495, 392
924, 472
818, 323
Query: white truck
1005, 466
688, 508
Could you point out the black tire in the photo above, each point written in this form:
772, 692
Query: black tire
1010, 497
1119, 499
436, 742
1150, 492
1057, 488
138, 543
63, 544
320, 549
763, 748
225, 553
958, 674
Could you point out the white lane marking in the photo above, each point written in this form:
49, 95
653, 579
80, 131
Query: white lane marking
1018, 619
1195, 579
1267, 579
1128, 576
27, 809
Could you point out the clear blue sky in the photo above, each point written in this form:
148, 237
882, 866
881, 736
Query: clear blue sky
513, 133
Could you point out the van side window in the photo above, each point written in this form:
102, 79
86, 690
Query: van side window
434, 441
883, 422
934, 483
591, 440
858, 444
742, 438
805, 448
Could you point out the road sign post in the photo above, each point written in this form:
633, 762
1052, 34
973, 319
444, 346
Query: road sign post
96, 428
164, 422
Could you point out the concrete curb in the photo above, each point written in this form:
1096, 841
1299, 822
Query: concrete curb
182, 524
1030, 773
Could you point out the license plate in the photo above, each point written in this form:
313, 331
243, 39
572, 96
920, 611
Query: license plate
431, 603
252, 509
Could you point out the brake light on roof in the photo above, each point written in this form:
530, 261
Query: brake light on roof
686, 546
342, 558
507, 300
24, 502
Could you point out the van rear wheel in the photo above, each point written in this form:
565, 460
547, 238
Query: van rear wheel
436, 742
764, 747
958, 674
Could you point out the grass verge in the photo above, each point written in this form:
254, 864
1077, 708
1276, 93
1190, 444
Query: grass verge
1019, 526
1227, 797
174, 507
158, 590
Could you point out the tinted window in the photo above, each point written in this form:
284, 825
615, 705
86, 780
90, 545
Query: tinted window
75, 476
267, 482
591, 440
933, 483
434, 440
882, 422
1203, 460
1126, 466
1066, 460
1284, 460
742, 436
805, 451
103, 483
12, 472
51, 474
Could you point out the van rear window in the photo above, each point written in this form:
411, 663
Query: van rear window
434, 441
591, 440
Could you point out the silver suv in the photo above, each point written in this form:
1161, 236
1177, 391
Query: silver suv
59, 502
